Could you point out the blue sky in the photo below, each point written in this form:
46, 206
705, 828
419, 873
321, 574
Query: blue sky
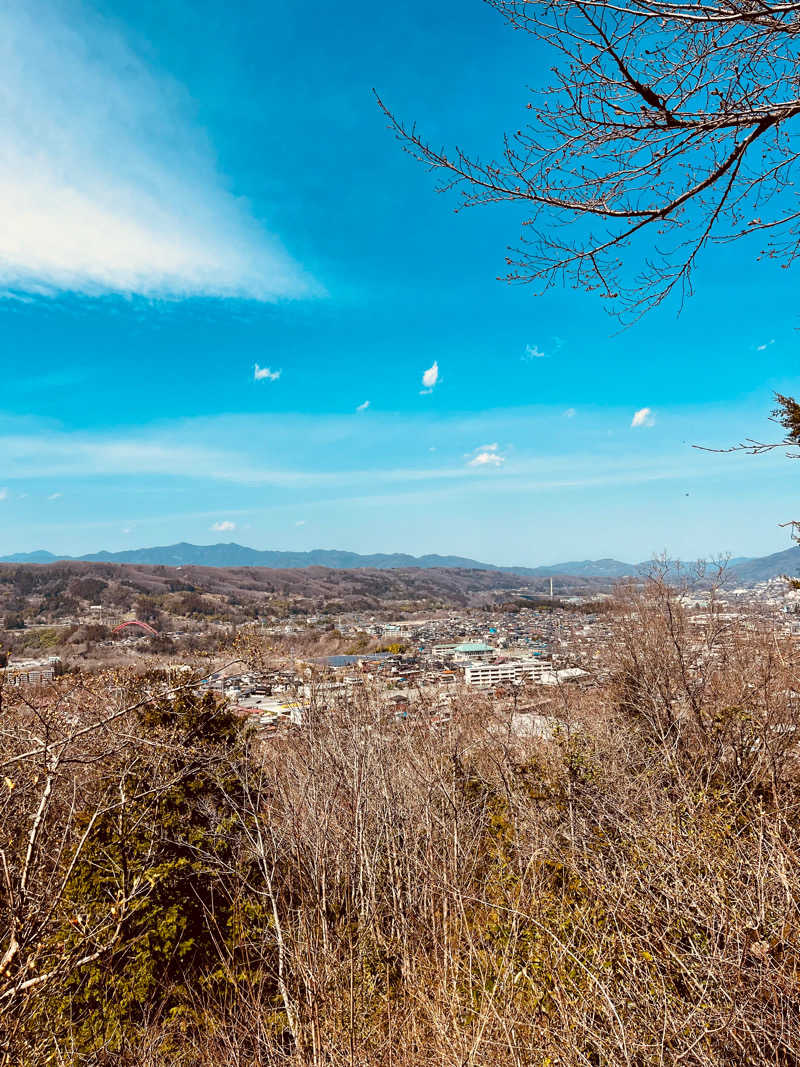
191, 193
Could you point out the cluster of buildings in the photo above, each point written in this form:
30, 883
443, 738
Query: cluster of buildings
422, 663
419, 663
269, 697
31, 671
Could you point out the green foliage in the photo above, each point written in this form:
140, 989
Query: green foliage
787, 415
168, 850
42, 639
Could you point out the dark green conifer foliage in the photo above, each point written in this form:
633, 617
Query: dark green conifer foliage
171, 846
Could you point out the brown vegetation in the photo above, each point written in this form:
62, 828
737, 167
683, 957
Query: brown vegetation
370, 891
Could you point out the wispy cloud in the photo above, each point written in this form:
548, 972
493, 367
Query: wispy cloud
261, 374
55, 496
363, 407
187, 451
570, 413
108, 184
300, 522
643, 417
225, 526
765, 345
3, 494
486, 456
317, 456
534, 352
430, 378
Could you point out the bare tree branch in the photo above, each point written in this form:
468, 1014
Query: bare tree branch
663, 121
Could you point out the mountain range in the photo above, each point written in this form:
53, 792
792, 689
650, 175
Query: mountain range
744, 570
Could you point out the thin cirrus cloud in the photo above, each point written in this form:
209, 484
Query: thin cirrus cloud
643, 417
223, 527
322, 455
363, 407
198, 455
261, 374
108, 184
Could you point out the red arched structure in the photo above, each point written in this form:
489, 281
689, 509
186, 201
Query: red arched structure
135, 622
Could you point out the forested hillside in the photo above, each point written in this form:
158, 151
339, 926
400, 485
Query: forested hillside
56, 590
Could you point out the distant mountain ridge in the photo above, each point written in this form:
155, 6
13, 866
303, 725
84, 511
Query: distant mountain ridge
587, 568
762, 568
233, 555
744, 570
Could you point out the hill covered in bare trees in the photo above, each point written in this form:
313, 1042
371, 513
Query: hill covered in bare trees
47, 593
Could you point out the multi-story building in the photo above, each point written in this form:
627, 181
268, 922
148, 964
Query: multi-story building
487, 675
31, 671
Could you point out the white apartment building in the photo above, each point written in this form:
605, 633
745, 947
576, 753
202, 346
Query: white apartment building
31, 671
486, 675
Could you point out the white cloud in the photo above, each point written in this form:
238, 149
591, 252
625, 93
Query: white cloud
300, 522
643, 417
3, 494
363, 407
126, 530
430, 378
223, 527
486, 456
534, 352
487, 459
570, 413
765, 346
108, 183
55, 496
261, 374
